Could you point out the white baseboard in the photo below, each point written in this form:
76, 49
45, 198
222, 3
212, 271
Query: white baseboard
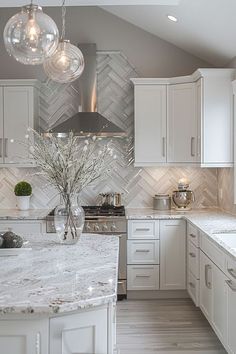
157, 294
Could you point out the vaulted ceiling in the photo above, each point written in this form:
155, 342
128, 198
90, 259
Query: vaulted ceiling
205, 28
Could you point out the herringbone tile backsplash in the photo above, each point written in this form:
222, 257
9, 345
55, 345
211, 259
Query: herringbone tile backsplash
115, 101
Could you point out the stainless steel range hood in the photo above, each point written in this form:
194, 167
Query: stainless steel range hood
88, 120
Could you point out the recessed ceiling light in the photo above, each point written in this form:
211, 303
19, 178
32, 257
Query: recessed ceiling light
172, 18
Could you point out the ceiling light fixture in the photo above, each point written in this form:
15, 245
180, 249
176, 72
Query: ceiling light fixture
172, 18
67, 63
31, 36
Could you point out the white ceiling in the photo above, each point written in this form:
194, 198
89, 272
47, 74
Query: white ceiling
205, 28
14, 3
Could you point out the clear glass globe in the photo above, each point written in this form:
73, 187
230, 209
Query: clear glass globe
66, 64
31, 36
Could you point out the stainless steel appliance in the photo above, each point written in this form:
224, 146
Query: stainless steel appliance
162, 202
107, 221
110, 199
183, 199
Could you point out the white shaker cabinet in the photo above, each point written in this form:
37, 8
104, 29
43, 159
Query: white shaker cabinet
206, 266
150, 123
18, 111
172, 254
215, 117
231, 316
182, 123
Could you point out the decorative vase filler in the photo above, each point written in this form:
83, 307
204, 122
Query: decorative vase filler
69, 220
70, 164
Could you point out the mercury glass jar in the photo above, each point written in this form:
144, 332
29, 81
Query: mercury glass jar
69, 220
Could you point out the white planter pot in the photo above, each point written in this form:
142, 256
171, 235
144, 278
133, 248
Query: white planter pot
23, 202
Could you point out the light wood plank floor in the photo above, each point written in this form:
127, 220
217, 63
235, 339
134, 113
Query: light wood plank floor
164, 326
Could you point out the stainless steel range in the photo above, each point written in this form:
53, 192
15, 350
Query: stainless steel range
107, 220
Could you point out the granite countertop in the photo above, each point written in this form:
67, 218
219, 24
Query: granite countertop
16, 214
209, 221
56, 279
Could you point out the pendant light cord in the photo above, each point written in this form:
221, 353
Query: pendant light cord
63, 17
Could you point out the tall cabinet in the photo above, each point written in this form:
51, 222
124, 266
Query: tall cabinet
179, 120
150, 127
18, 112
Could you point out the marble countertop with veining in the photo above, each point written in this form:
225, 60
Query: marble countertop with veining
16, 214
56, 279
209, 221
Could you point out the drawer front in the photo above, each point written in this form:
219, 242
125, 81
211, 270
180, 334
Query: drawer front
193, 259
193, 234
22, 228
193, 288
143, 252
143, 229
213, 252
143, 277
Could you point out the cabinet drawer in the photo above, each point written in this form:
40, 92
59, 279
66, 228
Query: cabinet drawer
193, 259
143, 229
212, 251
143, 277
193, 288
143, 252
193, 234
22, 228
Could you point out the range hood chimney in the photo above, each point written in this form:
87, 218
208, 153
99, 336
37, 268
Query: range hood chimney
88, 120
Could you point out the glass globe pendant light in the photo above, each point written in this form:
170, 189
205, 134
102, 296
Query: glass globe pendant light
31, 36
67, 62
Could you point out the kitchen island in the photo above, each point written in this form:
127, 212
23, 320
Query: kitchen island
59, 299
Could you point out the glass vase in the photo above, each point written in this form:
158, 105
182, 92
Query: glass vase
69, 220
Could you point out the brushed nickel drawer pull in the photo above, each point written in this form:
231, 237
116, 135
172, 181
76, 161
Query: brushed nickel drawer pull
143, 229
142, 251
207, 282
6, 147
192, 285
232, 272
230, 284
1, 140
192, 146
163, 146
193, 255
192, 235
142, 276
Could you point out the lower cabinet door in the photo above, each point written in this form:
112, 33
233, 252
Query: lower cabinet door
86, 332
219, 303
24, 337
206, 267
172, 254
231, 316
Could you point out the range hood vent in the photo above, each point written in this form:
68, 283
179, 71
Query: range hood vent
88, 120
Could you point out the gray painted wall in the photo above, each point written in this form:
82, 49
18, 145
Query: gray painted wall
150, 55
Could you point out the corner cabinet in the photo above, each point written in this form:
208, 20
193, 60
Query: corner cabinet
18, 112
178, 120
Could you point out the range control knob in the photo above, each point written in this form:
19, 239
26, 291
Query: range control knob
104, 227
96, 227
113, 227
87, 227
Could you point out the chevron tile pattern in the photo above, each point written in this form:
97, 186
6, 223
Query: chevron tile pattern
116, 102
226, 185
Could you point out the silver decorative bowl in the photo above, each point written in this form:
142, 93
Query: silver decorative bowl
183, 199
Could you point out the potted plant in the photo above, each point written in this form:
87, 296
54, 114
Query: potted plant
23, 191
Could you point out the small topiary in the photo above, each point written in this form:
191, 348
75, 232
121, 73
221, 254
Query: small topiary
23, 188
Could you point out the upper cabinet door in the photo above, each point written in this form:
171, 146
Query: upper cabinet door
150, 124
182, 124
1, 126
18, 116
